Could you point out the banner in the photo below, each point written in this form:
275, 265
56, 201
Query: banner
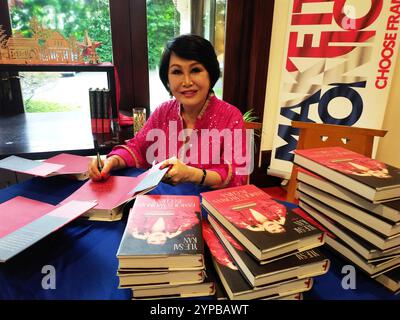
338, 64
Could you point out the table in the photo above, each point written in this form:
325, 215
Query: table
42, 135
83, 254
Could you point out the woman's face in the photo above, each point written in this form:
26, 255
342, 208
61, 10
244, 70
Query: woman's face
158, 238
273, 227
189, 82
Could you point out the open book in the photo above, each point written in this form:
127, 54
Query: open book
112, 194
70, 165
24, 221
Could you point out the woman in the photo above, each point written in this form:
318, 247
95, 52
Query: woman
200, 137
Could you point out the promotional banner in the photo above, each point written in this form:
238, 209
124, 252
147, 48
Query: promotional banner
338, 64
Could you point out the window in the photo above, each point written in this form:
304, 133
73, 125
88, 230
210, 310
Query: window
62, 91
130, 46
169, 18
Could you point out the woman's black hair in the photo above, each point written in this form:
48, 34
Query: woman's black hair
190, 47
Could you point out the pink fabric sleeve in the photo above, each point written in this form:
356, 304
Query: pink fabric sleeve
231, 172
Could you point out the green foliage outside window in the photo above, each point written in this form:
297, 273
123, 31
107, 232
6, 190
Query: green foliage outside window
70, 17
162, 25
73, 17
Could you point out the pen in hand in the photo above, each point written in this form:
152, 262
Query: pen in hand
96, 148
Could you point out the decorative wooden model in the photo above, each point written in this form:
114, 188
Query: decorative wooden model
45, 47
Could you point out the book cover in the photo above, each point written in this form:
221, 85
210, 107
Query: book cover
368, 251
61, 164
232, 279
109, 194
352, 252
93, 110
367, 177
388, 210
373, 269
33, 167
369, 219
72, 164
265, 227
107, 109
309, 263
149, 179
24, 221
163, 231
293, 296
374, 237
98, 95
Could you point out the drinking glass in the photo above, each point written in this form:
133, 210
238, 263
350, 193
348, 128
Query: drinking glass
139, 119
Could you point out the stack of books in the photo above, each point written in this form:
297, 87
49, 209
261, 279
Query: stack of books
100, 110
357, 199
161, 254
260, 248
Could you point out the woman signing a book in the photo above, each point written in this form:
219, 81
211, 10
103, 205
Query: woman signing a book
200, 137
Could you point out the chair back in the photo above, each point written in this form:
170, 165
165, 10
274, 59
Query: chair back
317, 135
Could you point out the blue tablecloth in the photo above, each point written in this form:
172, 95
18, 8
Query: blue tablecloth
83, 254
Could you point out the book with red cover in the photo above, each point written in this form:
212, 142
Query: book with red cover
62, 164
32, 167
24, 221
376, 238
348, 245
309, 263
111, 194
233, 281
387, 210
369, 219
163, 232
74, 165
369, 178
266, 228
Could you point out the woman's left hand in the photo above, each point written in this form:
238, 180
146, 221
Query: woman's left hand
178, 173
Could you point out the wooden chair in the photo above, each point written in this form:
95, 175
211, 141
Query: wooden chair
317, 135
254, 126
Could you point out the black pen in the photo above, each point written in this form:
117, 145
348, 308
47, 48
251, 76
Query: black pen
96, 149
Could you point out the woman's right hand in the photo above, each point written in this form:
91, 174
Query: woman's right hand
107, 165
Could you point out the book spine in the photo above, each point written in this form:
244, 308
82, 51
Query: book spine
93, 111
100, 112
106, 108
